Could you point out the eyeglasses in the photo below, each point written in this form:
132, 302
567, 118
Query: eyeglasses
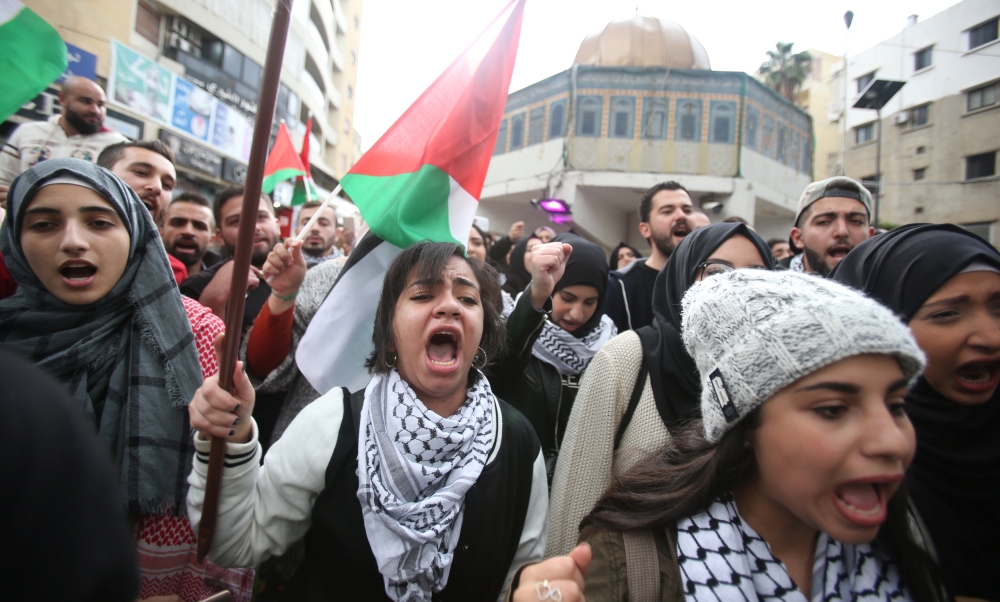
714, 267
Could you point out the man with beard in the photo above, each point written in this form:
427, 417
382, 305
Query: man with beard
832, 219
187, 230
317, 246
210, 286
147, 166
664, 214
78, 133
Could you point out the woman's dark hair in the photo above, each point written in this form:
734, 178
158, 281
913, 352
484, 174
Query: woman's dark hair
689, 473
430, 259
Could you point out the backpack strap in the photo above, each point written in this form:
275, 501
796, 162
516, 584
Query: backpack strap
633, 402
642, 565
357, 401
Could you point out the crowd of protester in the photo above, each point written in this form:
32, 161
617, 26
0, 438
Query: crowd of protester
713, 417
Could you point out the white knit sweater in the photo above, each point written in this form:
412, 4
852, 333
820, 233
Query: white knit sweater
587, 463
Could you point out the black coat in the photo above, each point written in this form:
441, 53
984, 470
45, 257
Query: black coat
532, 386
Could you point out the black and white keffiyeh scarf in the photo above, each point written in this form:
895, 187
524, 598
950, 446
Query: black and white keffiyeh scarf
568, 354
722, 558
414, 469
797, 265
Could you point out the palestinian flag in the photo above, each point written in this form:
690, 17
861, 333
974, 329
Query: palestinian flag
305, 188
32, 56
420, 181
283, 163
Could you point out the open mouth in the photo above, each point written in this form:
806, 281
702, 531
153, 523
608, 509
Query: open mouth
839, 252
77, 274
978, 376
863, 503
442, 350
681, 230
185, 246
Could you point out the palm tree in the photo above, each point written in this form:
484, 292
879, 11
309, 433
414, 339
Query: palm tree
785, 71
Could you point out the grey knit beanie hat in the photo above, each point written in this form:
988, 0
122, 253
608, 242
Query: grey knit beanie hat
754, 332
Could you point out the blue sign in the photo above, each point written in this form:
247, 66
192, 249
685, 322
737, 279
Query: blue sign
192, 109
79, 63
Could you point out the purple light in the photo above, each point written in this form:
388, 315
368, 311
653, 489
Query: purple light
562, 218
553, 206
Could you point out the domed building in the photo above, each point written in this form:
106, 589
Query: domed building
639, 106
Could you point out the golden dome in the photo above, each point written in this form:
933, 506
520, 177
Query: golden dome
643, 42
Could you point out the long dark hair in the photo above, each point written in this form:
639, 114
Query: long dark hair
689, 473
430, 259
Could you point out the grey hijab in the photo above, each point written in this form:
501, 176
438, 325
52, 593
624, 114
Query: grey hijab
129, 359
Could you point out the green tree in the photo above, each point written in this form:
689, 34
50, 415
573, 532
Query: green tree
784, 71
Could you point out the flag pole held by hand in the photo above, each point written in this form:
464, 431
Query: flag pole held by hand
241, 260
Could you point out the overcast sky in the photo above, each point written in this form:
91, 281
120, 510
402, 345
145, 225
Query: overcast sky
405, 44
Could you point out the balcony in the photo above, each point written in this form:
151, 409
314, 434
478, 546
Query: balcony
339, 17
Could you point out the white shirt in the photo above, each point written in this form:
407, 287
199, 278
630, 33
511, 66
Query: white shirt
35, 142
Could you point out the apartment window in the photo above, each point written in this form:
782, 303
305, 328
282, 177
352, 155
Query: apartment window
517, 131
922, 59
983, 230
501, 144
536, 126
864, 80
252, 73
622, 117
864, 133
783, 140
985, 96
147, 22
232, 61
557, 119
983, 165
753, 121
983, 34
654, 118
871, 183
357, 22
354, 57
588, 116
919, 174
918, 115
921, 150
350, 91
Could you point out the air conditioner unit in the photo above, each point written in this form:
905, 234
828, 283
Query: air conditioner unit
901, 117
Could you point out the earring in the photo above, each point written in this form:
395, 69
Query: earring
479, 362
391, 359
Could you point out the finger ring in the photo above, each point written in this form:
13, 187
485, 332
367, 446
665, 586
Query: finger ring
547, 592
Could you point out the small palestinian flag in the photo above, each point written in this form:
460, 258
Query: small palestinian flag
283, 163
305, 189
420, 181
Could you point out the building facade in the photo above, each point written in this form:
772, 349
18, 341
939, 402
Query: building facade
941, 132
814, 97
597, 136
188, 72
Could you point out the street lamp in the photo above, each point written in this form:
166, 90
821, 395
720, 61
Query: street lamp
875, 96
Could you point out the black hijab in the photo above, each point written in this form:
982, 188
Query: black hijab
614, 254
955, 476
672, 372
518, 277
586, 265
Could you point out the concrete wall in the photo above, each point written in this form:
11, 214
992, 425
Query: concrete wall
89, 25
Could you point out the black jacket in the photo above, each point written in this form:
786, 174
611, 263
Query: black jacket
532, 386
628, 302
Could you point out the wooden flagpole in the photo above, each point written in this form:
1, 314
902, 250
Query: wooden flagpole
241, 262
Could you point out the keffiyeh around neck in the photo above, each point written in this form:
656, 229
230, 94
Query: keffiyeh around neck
129, 358
566, 353
414, 470
723, 558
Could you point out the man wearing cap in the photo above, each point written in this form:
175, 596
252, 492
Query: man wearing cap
832, 219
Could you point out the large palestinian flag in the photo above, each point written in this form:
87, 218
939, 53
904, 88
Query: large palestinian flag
420, 181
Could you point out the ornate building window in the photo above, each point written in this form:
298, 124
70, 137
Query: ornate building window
517, 131
557, 119
688, 126
622, 117
501, 145
722, 127
655, 112
588, 116
536, 126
